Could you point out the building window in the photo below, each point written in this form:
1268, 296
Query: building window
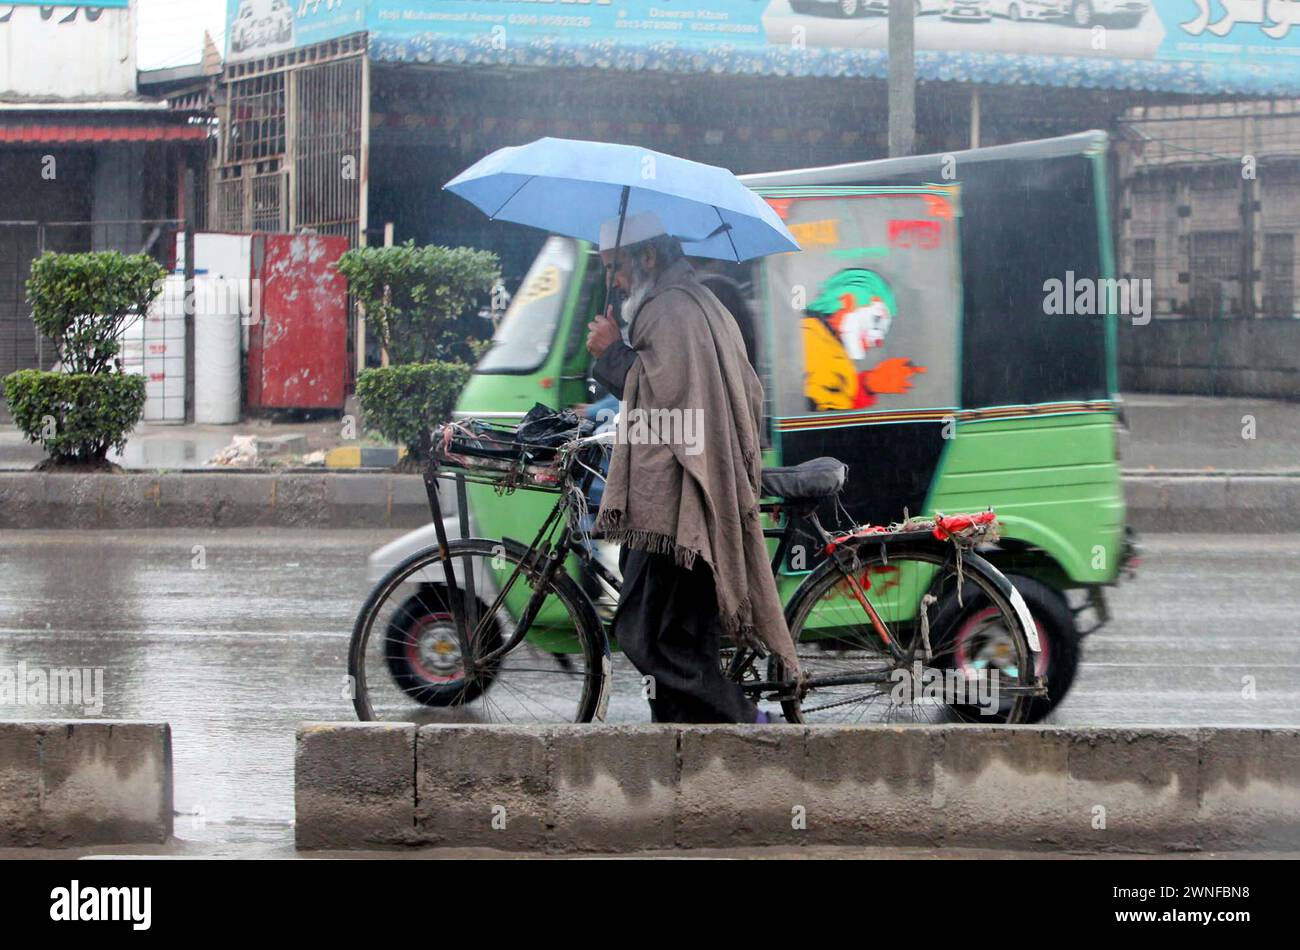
328, 110
1279, 275
1215, 273
257, 114
1143, 261
1142, 266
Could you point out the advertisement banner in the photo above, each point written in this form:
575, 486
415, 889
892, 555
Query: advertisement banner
261, 27
1244, 46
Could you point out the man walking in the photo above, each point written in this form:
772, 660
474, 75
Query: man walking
695, 563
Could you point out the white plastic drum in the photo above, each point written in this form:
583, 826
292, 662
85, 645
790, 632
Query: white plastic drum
155, 348
218, 333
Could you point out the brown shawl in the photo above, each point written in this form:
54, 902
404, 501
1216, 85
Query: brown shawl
686, 481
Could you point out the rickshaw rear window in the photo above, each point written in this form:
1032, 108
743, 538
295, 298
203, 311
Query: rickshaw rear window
527, 331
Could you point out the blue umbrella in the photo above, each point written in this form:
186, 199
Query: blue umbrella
571, 187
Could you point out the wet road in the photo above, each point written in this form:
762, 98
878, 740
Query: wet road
237, 636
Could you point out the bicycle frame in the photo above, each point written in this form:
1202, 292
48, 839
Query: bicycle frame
466, 623
794, 518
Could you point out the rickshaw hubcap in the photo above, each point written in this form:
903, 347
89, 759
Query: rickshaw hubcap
988, 645
439, 650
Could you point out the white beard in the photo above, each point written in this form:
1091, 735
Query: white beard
636, 296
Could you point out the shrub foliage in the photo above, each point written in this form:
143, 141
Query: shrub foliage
404, 402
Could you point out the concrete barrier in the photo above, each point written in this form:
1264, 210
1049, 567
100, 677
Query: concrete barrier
627, 788
357, 779
71, 784
1243, 503
34, 500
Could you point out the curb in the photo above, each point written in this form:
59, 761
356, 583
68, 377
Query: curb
1157, 502
37, 500
1245, 503
76, 783
628, 788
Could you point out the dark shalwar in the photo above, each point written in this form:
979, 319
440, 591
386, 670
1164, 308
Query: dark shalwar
667, 625
667, 622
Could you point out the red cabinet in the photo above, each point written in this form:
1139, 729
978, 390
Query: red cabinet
298, 335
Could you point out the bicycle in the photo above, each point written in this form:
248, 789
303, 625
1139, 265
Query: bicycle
900, 623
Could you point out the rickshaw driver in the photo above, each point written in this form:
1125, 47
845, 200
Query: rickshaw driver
694, 561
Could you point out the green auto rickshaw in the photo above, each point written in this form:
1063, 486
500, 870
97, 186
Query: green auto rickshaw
914, 339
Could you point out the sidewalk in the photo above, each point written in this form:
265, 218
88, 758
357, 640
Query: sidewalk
1166, 434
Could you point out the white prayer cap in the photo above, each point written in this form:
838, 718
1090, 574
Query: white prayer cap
637, 228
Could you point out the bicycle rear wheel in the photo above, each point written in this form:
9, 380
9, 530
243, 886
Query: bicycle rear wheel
407, 662
861, 622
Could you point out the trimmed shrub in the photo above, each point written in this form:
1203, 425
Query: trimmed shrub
423, 304
75, 417
405, 402
423, 301
83, 302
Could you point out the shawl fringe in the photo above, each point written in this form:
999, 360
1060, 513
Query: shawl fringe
609, 523
737, 624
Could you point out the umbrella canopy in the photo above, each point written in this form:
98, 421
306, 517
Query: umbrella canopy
571, 187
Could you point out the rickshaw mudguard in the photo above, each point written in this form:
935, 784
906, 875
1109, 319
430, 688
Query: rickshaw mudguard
1075, 562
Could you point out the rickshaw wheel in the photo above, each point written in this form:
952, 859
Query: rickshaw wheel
1058, 660
423, 654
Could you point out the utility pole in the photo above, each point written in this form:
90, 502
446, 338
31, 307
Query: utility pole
902, 78
191, 216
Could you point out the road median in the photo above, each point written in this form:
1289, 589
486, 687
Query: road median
1157, 501
68, 784
37, 500
602, 789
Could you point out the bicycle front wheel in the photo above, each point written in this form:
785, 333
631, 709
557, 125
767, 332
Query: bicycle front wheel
906, 632
407, 661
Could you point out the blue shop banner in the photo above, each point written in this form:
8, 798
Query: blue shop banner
1248, 47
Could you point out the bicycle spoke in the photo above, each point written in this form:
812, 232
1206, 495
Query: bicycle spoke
865, 636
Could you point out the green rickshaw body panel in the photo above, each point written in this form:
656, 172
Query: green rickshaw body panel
1030, 430
527, 365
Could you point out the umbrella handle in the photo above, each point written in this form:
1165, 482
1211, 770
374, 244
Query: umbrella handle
618, 241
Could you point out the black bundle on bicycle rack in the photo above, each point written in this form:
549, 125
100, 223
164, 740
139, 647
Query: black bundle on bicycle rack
511, 456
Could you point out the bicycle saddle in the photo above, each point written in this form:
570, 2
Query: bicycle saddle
807, 481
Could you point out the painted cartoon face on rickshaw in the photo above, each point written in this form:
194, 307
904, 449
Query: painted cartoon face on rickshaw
859, 307
876, 276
